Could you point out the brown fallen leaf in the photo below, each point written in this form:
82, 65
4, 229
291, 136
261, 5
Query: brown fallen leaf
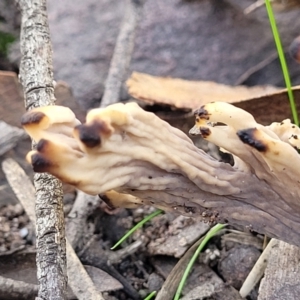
184, 94
285, 5
266, 103
12, 100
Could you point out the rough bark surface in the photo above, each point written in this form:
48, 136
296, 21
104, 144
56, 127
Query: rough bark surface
37, 79
281, 280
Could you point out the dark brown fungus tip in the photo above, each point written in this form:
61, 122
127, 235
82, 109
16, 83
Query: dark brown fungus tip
42, 145
294, 49
205, 132
32, 117
106, 200
247, 136
39, 163
203, 113
89, 135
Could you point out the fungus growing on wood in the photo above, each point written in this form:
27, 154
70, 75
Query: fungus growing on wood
131, 157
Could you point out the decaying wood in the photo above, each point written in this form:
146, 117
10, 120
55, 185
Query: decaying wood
281, 280
147, 161
36, 77
122, 54
24, 190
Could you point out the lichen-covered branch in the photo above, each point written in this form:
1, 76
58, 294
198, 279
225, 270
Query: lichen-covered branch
131, 157
36, 77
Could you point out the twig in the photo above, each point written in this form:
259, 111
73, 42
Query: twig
95, 256
256, 68
80, 282
257, 271
122, 54
36, 77
24, 191
17, 290
253, 6
83, 207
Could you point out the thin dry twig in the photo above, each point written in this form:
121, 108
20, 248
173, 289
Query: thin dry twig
95, 256
122, 54
24, 190
83, 207
16, 290
258, 270
36, 76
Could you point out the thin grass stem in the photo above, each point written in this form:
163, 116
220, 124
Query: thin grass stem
150, 296
212, 232
284, 67
137, 226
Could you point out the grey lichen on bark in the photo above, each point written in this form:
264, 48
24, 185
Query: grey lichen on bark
36, 76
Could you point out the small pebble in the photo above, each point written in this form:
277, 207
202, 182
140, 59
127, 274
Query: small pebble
23, 232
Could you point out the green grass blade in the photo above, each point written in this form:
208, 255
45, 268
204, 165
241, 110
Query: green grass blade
150, 296
137, 226
212, 232
282, 61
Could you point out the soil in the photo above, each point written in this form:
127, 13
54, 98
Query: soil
145, 270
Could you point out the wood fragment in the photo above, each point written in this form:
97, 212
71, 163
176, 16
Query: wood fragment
281, 280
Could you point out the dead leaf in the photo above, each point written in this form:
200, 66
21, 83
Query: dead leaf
12, 99
266, 103
185, 94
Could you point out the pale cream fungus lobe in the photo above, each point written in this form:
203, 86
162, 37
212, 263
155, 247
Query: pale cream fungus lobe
133, 157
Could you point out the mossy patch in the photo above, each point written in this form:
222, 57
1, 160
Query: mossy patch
5, 40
